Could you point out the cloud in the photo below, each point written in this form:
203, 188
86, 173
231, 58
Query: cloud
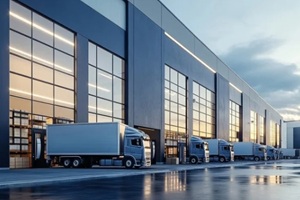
275, 81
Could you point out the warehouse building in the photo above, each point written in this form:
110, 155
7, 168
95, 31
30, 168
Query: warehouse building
130, 61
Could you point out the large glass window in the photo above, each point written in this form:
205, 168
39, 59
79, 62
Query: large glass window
106, 86
235, 122
274, 134
262, 130
203, 112
253, 126
41, 76
175, 110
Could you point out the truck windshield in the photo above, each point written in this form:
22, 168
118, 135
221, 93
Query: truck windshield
262, 149
146, 143
205, 146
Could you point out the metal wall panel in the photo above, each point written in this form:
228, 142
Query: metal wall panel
147, 71
4, 84
82, 77
296, 138
246, 117
222, 114
89, 23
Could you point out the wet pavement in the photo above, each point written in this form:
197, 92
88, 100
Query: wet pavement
263, 180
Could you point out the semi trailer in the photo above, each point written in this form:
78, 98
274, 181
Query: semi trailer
104, 144
220, 150
249, 151
288, 153
198, 150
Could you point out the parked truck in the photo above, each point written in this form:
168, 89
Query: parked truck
288, 153
220, 149
249, 151
272, 153
198, 150
87, 144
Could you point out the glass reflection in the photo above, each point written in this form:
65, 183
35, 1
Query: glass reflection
266, 180
35, 81
106, 81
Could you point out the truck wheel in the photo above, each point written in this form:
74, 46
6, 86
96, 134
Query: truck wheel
194, 160
256, 158
76, 163
222, 159
67, 163
268, 158
129, 163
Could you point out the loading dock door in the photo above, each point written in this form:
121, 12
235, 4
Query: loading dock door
154, 135
38, 148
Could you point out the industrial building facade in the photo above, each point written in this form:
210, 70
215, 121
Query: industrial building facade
130, 61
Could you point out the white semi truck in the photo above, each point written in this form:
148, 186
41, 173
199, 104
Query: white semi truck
249, 151
105, 144
198, 150
220, 149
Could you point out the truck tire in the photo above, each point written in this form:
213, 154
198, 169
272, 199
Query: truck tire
268, 158
256, 158
221, 159
76, 162
128, 162
193, 160
67, 162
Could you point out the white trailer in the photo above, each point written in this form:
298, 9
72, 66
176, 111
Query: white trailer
287, 153
112, 143
249, 150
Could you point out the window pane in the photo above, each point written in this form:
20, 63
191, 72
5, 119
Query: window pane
174, 75
167, 72
42, 54
64, 80
118, 110
104, 59
92, 104
182, 81
118, 90
101, 118
20, 45
92, 118
42, 109
92, 80
20, 104
118, 67
104, 85
92, 54
64, 113
104, 107
42, 92
21, 12
42, 29
20, 86
42, 73
20, 65
64, 62
64, 97
64, 40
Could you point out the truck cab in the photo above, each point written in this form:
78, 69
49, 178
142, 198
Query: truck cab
260, 151
198, 150
137, 151
272, 153
226, 151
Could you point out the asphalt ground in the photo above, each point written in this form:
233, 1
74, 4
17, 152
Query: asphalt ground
42, 176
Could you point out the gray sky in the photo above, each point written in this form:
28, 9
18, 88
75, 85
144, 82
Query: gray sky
259, 40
